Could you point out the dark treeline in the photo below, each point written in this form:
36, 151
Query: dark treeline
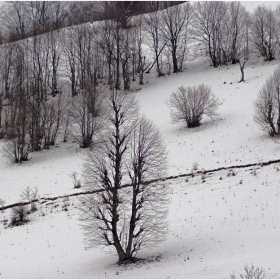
24, 19
53, 80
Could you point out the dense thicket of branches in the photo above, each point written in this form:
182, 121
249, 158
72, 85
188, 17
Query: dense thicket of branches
191, 103
55, 81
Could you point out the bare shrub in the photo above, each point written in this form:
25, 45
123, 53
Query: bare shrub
31, 195
66, 203
195, 166
15, 150
191, 103
251, 272
76, 181
19, 215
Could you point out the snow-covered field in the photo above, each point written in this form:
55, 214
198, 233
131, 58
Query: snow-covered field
215, 227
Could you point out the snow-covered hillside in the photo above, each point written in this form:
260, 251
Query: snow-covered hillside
215, 227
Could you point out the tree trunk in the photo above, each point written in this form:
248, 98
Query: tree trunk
242, 66
174, 60
117, 82
132, 222
0, 112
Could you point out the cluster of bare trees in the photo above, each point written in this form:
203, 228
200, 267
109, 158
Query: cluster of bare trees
29, 119
227, 28
56, 81
25, 19
30, 18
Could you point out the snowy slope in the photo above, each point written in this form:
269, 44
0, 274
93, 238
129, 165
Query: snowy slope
215, 227
233, 138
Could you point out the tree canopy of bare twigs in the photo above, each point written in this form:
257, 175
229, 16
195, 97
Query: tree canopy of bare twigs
209, 28
174, 29
264, 31
267, 105
132, 151
191, 103
86, 115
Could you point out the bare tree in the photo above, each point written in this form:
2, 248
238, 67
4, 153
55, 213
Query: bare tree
31, 195
152, 27
191, 103
238, 16
264, 31
52, 115
174, 29
39, 64
105, 39
16, 147
267, 105
137, 48
277, 16
66, 120
70, 53
29, 18
59, 14
120, 11
82, 57
125, 58
83, 11
85, 116
5, 66
53, 40
210, 19
243, 47
48, 121
127, 218
39, 13
14, 20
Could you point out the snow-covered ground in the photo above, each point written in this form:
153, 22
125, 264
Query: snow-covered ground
215, 227
233, 138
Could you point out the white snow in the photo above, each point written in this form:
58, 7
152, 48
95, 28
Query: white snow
215, 227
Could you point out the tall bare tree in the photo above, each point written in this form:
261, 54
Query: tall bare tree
127, 218
243, 46
210, 18
174, 28
140, 59
53, 40
155, 42
70, 53
15, 20
85, 114
16, 147
106, 42
267, 105
237, 14
264, 31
